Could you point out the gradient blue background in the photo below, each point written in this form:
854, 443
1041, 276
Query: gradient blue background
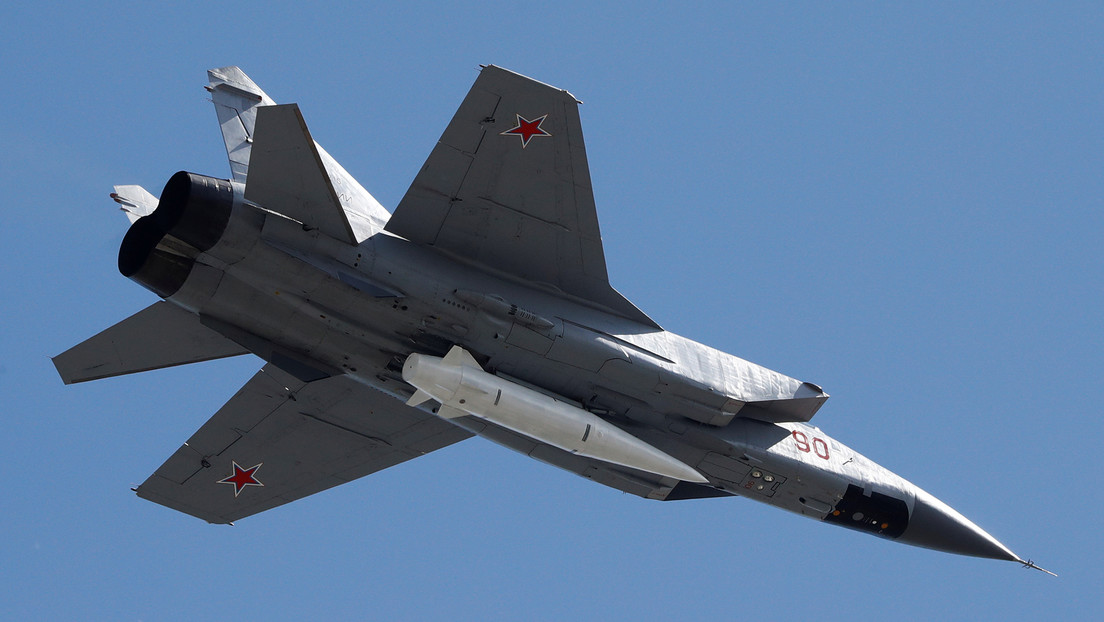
902, 205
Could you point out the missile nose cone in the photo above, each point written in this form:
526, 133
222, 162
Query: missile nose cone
412, 365
935, 525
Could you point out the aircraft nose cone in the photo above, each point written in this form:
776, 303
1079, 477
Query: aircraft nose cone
936, 525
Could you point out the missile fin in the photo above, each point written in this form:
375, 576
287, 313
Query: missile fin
448, 412
419, 397
461, 357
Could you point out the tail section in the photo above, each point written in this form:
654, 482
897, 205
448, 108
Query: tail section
290, 177
135, 201
237, 99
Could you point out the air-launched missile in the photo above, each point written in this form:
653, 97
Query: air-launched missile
463, 388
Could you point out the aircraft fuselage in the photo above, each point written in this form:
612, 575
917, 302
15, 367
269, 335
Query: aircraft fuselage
482, 302
317, 307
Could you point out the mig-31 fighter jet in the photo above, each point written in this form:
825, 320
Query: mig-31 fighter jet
481, 306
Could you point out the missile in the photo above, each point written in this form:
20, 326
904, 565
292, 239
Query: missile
463, 388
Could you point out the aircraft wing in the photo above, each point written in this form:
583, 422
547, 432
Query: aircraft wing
508, 186
279, 439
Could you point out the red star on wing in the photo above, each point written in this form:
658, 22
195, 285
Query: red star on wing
527, 129
242, 478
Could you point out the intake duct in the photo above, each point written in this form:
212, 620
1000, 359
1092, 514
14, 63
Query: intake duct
159, 250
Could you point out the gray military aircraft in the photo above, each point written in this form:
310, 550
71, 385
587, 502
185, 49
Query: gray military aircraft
480, 307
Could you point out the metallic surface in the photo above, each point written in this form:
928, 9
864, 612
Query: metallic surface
463, 388
481, 307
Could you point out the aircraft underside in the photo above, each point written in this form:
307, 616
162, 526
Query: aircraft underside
480, 307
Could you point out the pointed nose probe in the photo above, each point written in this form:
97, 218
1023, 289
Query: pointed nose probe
936, 525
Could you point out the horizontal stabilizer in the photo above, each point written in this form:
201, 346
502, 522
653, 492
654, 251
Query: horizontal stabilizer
161, 335
287, 174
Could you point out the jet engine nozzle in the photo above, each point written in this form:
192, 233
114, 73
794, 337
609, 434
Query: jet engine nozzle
195, 208
159, 249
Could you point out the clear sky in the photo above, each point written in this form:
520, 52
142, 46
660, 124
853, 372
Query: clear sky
903, 205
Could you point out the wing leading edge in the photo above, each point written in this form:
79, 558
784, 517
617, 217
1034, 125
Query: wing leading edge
279, 439
508, 186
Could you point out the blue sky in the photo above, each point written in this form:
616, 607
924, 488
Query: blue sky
903, 205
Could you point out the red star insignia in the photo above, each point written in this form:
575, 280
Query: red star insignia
527, 129
242, 478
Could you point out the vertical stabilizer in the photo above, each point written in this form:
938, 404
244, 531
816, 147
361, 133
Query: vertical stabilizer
236, 100
135, 201
365, 214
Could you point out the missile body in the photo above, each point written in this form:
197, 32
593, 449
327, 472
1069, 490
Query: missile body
463, 388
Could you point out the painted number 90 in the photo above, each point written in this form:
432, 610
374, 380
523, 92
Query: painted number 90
818, 446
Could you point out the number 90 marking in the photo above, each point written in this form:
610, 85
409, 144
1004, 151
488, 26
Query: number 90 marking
819, 447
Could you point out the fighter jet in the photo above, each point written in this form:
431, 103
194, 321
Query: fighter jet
480, 307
